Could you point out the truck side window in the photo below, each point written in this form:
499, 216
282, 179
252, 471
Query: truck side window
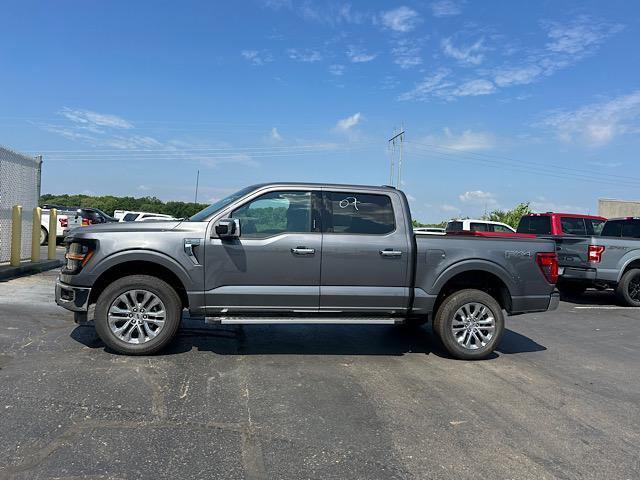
538, 225
501, 229
358, 213
612, 228
479, 227
573, 226
631, 229
274, 213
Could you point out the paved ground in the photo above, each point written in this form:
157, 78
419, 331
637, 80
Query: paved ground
561, 399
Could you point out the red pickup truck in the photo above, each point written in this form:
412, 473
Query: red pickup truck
561, 224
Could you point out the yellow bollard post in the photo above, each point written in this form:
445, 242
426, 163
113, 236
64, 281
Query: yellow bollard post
53, 229
35, 234
16, 235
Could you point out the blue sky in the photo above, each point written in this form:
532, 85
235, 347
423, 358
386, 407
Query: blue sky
502, 101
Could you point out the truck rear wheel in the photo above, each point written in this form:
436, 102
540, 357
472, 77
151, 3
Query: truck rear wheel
43, 236
138, 315
628, 290
470, 324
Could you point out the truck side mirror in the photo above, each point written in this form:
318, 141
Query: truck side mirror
228, 228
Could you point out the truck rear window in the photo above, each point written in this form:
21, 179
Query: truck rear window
573, 226
535, 225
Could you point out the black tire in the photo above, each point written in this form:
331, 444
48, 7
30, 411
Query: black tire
571, 289
158, 287
444, 317
43, 235
628, 290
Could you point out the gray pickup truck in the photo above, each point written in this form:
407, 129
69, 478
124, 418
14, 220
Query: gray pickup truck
610, 260
302, 253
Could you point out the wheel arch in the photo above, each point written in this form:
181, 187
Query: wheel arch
483, 276
136, 266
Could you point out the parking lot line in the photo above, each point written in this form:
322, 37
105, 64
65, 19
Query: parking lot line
605, 307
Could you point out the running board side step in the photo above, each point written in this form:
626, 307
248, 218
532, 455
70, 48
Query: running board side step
235, 320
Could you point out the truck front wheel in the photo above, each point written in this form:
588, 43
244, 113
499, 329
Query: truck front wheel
137, 315
628, 290
470, 324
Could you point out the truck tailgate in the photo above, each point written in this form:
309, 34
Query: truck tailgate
573, 251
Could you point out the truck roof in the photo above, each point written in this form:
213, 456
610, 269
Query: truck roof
558, 214
325, 185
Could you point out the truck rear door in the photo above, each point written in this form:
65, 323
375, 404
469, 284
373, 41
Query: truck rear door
366, 251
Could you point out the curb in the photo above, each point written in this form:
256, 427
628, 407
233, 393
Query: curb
29, 268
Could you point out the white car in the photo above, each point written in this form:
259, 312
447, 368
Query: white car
128, 216
470, 224
66, 220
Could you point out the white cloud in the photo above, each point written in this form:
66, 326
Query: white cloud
469, 55
406, 54
467, 141
90, 119
337, 70
474, 88
432, 85
402, 19
445, 8
306, 55
143, 188
256, 57
597, 124
566, 45
606, 164
578, 36
543, 204
479, 198
452, 209
358, 55
275, 135
346, 124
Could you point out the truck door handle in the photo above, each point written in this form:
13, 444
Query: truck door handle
303, 251
390, 253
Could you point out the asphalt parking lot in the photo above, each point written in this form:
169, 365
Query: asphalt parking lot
560, 399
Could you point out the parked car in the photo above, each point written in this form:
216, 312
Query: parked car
551, 223
610, 260
127, 216
93, 216
62, 224
302, 253
473, 225
430, 230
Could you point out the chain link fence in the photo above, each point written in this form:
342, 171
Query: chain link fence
19, 185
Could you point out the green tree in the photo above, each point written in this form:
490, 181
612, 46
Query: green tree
510, 217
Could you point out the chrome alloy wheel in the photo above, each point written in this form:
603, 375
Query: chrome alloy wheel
136, 316
473, 325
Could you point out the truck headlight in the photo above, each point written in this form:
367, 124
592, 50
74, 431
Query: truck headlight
77, 256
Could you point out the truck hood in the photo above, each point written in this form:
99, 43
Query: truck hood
128, 227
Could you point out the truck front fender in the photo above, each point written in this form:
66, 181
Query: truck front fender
142, 255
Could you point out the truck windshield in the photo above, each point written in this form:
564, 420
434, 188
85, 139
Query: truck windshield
220, 204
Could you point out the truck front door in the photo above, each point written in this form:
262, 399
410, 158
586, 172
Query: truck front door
365, 253
274, 266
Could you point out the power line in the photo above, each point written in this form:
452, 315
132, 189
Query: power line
524, 168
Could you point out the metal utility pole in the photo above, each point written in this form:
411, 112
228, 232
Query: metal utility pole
195, 201
396, 139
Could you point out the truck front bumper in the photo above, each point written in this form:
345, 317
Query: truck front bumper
71, 297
